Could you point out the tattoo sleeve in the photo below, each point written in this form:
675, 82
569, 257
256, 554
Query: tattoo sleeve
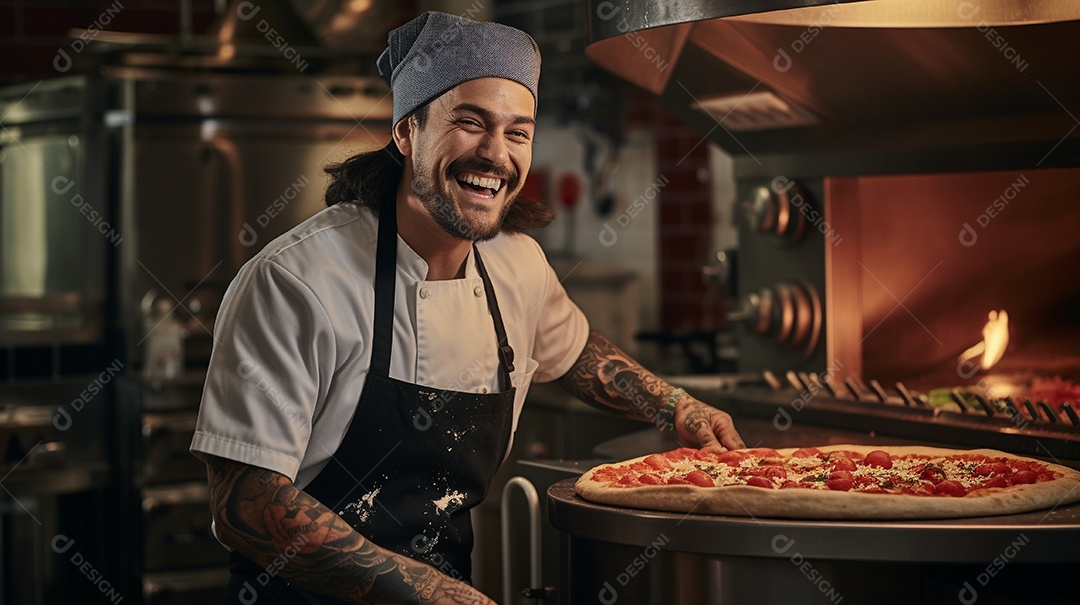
606, 377
263, 515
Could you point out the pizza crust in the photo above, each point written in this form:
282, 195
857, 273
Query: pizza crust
748, 501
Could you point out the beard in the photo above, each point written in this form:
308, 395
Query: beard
449, 215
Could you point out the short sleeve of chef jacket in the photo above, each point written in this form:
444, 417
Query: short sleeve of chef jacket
292, 338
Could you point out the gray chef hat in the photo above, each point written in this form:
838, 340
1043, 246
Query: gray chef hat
437, 51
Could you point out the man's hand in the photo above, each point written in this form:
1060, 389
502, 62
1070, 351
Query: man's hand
607, 378
701, 425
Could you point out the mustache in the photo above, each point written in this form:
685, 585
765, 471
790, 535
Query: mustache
477, 165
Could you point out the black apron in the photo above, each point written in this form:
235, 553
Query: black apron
415, 459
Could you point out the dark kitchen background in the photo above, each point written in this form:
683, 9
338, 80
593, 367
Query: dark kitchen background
142, 164
819, 225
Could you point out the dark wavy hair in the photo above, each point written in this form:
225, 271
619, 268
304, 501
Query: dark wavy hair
370, 177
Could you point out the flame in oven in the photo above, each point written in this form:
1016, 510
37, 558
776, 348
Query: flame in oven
995, 339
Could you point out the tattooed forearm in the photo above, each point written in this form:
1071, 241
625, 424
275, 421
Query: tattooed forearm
263, 515
606, 377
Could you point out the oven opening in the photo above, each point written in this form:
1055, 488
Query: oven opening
928, 263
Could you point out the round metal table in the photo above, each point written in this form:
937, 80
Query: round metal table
716, 559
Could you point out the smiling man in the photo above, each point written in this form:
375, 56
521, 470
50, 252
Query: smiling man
370, 365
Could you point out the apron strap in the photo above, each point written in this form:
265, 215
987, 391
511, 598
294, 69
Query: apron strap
385, 285
506, 352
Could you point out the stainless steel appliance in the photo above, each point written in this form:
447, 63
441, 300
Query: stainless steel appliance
54, 225
56, 373
129, 197
130, 200
900, 182
206, 170
210, 167
54, 474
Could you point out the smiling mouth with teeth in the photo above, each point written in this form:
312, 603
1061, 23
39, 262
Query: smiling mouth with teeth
481, 184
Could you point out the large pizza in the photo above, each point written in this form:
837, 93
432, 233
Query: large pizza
834, 482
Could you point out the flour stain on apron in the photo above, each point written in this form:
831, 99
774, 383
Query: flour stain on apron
362, 508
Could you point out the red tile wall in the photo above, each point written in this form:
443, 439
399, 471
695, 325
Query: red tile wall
684, 229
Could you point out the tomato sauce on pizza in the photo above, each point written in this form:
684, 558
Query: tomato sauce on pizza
877, 471
834, 482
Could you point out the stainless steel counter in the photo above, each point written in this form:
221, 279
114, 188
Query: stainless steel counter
1050, 536
646, 557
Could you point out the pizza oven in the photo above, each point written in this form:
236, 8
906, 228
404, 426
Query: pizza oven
906, 180
906, 176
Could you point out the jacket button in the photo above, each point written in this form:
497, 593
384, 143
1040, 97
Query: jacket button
423, 293
478, 291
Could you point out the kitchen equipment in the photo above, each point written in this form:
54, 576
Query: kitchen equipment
535, 590
54, 219
636, 556
235, 158
767, 561
53, 475
932, 187
912, 174
207, 169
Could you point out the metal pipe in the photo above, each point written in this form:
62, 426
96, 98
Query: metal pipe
533, 500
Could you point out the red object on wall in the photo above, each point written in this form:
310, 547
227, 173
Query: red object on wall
535, 188
569, 189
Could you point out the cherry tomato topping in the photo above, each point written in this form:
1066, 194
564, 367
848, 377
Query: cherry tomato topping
866, 481
732, 458
840, 481
658, 462
678, 481
706, 455
983, 470
769, 471
1024, 477
700, 478
996, 482
879, 458
682, 453
950, 488
1001, 468
933, 474
759, 482
649, 479
920, 489
775, 472
807, 452
842, 464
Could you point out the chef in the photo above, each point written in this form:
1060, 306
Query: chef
370, 365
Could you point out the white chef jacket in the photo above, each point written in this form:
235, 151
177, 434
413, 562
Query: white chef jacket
291, 341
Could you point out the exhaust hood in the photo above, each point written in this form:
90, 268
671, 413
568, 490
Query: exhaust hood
268, 36
787, 76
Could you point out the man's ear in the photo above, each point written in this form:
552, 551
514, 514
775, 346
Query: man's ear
402, 132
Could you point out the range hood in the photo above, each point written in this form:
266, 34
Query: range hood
268, 36
787, 76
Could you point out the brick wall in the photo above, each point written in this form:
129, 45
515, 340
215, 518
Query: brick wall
685, 225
